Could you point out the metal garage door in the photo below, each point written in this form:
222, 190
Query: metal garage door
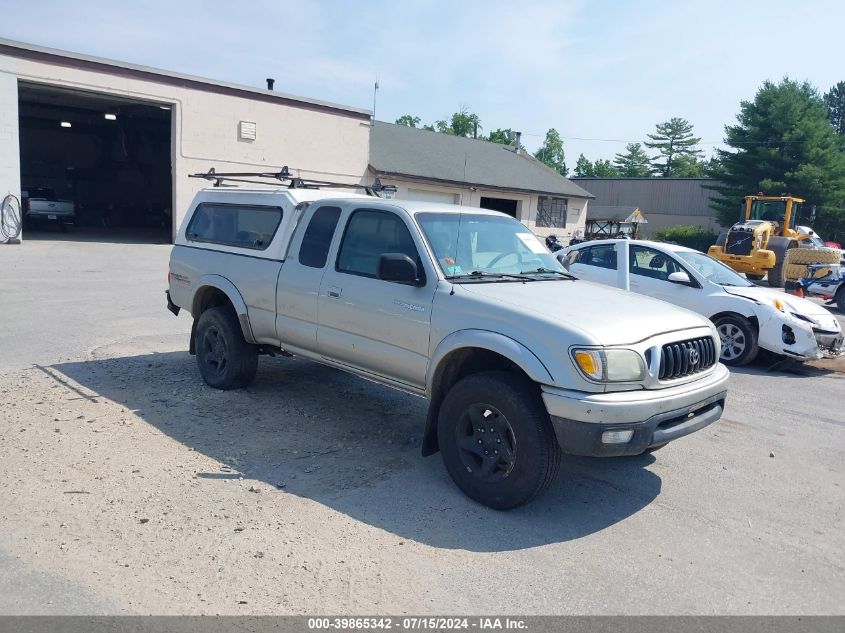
423, 195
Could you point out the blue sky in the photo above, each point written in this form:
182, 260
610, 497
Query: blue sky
593, 70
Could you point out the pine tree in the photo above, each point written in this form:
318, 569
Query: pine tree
634, 163
672, 139
603, 168
783, 143
584, 168
835, 102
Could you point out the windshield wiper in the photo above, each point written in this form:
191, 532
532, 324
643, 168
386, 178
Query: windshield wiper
482, 274
549, 271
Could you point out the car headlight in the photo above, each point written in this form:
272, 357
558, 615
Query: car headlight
609, 365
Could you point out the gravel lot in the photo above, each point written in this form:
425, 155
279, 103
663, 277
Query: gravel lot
128, 486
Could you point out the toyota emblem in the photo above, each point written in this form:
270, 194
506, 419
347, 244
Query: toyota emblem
694, 357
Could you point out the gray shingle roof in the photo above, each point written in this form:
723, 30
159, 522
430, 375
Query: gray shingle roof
401, 151
609, 212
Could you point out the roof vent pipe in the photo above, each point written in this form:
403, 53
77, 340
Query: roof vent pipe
518, 142
270, 83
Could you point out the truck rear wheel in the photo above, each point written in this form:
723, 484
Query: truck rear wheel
496, 439
739, 340
225, 359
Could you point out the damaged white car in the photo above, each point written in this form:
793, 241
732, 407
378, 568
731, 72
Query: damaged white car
747, 317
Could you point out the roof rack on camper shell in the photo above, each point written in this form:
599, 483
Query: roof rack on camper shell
284, 176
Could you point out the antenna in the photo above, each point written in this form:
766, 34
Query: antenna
375, 94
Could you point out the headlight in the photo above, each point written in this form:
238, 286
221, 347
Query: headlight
610, 365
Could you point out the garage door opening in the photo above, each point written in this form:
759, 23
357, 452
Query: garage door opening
107, 155
504, 205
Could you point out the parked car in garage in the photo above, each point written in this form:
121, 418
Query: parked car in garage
42, 206
748, 317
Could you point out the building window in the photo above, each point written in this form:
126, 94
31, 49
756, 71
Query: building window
551, 212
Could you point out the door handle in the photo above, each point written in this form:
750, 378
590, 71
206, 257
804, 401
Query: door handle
334, 291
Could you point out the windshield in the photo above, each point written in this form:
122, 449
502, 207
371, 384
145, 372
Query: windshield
773, 211
489, 244
712, 270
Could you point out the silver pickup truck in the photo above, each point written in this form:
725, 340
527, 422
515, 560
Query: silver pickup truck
42, 206
520, 362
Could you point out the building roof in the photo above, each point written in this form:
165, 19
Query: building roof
653, 196
609, 212
404, 152
58, 57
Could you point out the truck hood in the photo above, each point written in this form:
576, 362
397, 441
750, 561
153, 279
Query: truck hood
802, 306
609, 315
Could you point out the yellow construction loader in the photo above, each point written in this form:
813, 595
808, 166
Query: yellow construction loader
758, 244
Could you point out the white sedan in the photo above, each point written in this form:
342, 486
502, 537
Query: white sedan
747, 317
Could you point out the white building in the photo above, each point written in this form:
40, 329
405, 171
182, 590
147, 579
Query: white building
120, 139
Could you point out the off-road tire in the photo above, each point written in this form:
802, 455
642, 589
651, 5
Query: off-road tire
744, 335
225, 359
813, 256
754, 277
535, 452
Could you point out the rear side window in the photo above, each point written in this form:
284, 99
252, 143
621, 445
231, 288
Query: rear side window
603, 256
234, 225
318, 237
370, 234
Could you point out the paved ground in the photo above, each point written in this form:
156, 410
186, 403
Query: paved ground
129, 486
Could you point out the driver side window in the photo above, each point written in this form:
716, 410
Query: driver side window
369, 235
648, 262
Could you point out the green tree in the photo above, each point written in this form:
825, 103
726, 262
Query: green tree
783, 143
501, 136
634, 163
551, 152
462, 123
408, 120
584, 168
603, 168
835, 101
687, 166
672, 139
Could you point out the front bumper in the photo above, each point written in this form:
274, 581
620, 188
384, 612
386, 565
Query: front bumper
655, 416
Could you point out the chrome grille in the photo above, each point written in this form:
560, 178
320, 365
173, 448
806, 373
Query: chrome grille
684, 358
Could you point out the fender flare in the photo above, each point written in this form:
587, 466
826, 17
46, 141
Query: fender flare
501, 344
232, 293
495, 342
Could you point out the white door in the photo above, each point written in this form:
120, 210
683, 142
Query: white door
650, 270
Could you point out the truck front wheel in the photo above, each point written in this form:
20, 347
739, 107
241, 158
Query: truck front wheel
497, 440
225, 359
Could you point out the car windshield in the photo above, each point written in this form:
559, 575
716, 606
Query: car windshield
713, 270
485, 245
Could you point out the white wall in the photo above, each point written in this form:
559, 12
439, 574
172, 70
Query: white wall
10, 166
312, 142
526, 204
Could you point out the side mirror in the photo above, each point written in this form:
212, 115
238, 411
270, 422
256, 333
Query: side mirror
398, 268
679, 277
